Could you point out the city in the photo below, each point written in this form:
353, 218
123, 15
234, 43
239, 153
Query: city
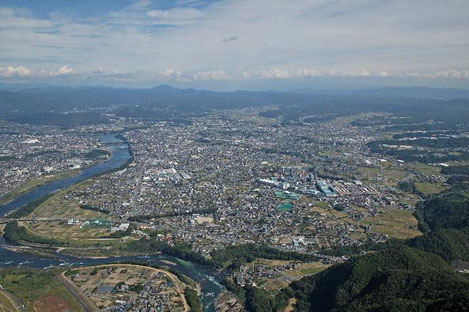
234, 156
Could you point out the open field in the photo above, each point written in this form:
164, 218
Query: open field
410, 199
308, 269
395, 223
428, 189
39, 290
322, 205
58, 207
256, 120
73, 245
425, 169
282, 277
60, 230
387, 176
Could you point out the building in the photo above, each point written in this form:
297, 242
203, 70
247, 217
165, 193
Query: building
326, 188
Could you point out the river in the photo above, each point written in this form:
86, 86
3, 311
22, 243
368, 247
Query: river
208, 280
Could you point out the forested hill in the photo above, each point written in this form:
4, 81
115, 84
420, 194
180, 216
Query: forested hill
413, 275
402, 279
446, 211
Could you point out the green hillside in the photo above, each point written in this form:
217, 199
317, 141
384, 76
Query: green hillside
391, 280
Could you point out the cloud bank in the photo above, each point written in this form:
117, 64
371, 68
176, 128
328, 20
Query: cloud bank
232, 40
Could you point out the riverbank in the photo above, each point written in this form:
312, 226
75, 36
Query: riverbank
120, 158
35, 183
43, 253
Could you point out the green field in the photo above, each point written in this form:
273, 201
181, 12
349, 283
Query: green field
6, 305
395, 223
386, 175
428, 189
323, 205
39, 290
425, 169
283, 279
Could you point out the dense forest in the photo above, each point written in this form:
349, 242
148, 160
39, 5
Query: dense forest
449, 210
15, 233
449, 244
462, 170
228, 259
389, 280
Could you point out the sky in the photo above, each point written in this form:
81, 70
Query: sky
236, 44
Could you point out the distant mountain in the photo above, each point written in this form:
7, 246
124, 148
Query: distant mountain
21, 86
412, 92
165, 102
165, 88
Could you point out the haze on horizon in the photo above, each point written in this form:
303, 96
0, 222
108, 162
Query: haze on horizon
236, 44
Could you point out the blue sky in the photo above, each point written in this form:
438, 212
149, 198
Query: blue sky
234, 44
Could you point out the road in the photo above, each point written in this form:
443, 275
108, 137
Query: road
84, 301
16, 302
138, 186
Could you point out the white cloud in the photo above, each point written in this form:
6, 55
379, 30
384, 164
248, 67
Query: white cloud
275, 39
23, 72
446, 74
211, 75
171, 74
275, 73
308, 73
242, 39
11, 71
64, 70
